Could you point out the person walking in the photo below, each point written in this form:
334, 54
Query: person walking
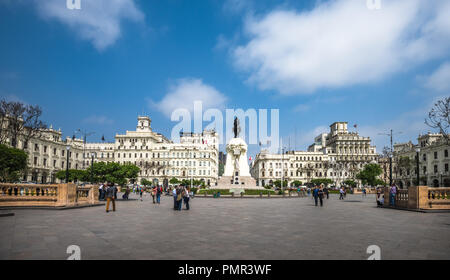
126, 194
110, 197
154, 194
364, 192
327, 192
315, 194
186, 198
159, 191
174, 194
320, 194
341, 193
180, 192
100, 192
141, 192
392, 194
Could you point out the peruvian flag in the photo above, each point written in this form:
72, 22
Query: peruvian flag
250, 158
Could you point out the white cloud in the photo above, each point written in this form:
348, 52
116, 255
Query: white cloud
100, 120
184, 92
342, 43
98, 21
439, 80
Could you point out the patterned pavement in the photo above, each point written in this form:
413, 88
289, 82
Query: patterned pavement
227, 229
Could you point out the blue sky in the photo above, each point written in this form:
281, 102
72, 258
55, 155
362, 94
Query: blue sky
316, 61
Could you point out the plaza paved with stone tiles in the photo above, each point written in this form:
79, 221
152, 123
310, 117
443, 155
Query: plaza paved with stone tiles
225, 228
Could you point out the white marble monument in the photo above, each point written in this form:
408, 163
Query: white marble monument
237, 172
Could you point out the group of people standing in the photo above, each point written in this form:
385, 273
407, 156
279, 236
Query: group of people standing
393, 190
102, 190
180, 194
319, 192
156, 194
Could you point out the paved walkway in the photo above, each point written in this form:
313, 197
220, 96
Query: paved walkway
228, 229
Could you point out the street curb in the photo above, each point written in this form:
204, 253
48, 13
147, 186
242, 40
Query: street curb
6, 214
50, 208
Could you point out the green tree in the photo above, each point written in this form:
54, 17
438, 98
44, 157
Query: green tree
320, 181
12, 162
369, 174
75, 175
277, 183
297, 183
174, 181
350, 183
113, 172
146, 182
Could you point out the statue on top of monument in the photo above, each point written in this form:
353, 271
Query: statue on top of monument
236, 127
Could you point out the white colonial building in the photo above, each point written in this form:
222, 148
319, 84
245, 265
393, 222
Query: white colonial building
195, 157
338, 155
434, 161
49, 154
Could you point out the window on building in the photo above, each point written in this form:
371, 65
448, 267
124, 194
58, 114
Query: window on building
435, 155
446, 153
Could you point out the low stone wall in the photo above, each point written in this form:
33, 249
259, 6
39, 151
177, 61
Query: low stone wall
421, 197
35, 195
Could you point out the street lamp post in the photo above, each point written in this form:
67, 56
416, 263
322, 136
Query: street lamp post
390, 169
282, 170
417, 166
67, 163
92, 168
390, 134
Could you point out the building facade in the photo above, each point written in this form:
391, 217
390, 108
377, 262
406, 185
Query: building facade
338, 155
49, 154
194, 157
434, 161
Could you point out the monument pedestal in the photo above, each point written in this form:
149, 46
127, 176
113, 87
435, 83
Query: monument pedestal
237, 173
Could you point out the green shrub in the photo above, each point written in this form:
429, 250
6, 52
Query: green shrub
227, 192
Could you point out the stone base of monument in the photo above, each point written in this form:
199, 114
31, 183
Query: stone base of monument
244, 182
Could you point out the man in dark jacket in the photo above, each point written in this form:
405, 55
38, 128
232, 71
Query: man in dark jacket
110, 196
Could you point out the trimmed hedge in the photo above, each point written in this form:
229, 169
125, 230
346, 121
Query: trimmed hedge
227, 192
